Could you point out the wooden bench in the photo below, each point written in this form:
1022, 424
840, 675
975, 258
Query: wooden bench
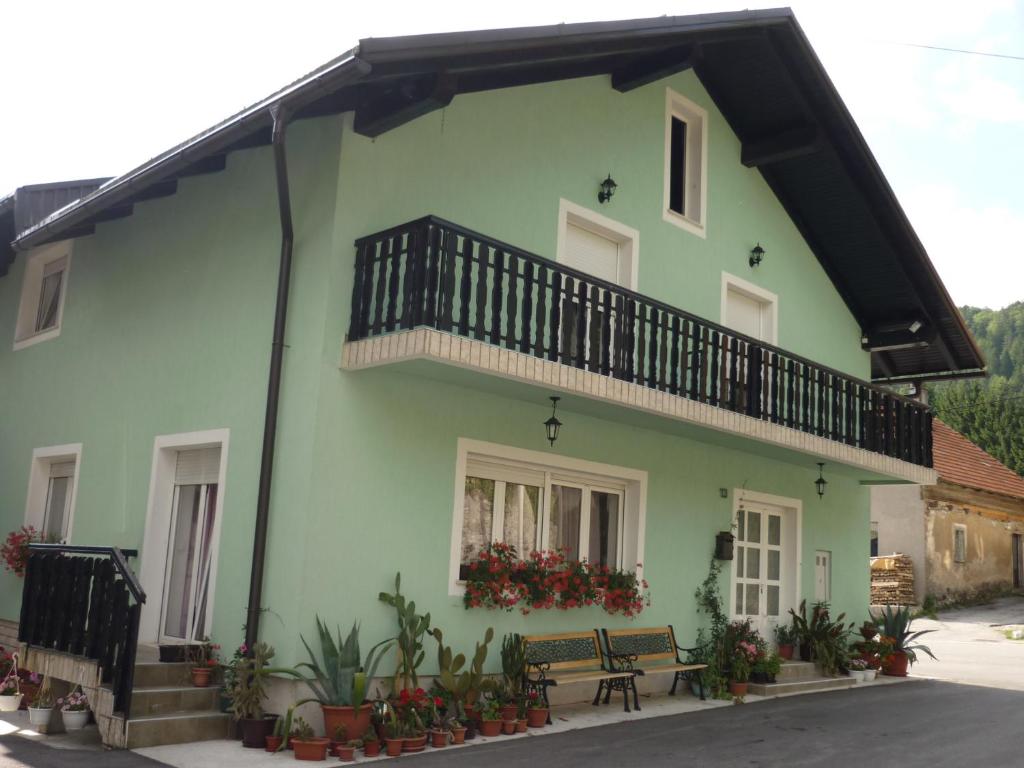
573, 657
648, 651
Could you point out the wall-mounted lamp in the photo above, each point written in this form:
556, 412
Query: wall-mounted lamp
552, 425
756, 255
821, 482
608, 187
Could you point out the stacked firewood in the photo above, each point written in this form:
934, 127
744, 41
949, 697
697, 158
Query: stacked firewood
892, 580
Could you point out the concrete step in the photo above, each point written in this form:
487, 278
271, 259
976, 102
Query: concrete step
176, 728
151, 674
161, 700
793, 671
801, 686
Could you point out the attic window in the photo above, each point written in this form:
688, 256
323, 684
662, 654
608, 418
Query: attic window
43, 290
685, 163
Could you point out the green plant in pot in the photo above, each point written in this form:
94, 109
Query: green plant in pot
898, 642
513, 672
822, 640
463, 686
785, 640
246, 689
339, 677
411, 629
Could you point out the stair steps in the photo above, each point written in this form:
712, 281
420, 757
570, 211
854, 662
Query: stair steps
799, 677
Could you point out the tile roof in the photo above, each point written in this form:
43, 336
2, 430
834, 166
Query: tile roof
960, 461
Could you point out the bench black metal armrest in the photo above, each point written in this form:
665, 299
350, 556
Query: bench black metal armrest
541, 668
623, 662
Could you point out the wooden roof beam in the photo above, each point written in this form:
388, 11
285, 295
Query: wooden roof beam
793, 142
649, 69
407, 102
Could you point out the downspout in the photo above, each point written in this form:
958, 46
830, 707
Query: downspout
259, 545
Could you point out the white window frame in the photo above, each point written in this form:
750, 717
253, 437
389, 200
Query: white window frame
627, 238
557, 470
961, 529
39, 484
158, 518
25, 334
756, 292
696, 119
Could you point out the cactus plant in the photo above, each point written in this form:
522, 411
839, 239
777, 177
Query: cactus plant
411, 629
461, 685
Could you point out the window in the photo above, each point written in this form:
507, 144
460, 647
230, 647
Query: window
53, 485
42, 295
535, 501
959, 543
685, 163
874, 539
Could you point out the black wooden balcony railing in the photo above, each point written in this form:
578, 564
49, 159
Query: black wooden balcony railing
432, 273
85, 601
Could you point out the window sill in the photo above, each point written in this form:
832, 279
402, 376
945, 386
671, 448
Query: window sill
36, 338
684, 222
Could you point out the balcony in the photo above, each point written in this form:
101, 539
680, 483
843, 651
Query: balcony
432, 274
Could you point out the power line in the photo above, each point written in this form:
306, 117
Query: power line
958, 50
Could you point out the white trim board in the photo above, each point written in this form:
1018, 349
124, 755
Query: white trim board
38, 482
153, 559
627, 238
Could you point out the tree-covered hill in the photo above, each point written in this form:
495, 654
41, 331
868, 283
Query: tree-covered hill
991, 411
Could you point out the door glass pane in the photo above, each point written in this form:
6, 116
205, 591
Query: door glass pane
753, 606
772, 600
180, 560
202, 595
740, 519
774, 530
753, 563
739, 561
774, 564
739, 598
564, 533
56, 504
604, 528
477, 516
522, 504
754, 527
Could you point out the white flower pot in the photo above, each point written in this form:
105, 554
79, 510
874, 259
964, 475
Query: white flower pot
39, 715
869, 675
10, 703
857, 675
75, 721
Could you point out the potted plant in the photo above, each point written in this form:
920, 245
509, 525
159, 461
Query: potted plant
513, 670
412, 708
204, 660
868, 630
857, 669
490, 718
822, 640
461, 686
245, 687
306, 744
10, 685
41, 708
537, 710
440, 726
74, 709
338, 738
458, 730
766, 666
347, 752
371, 743
394, 734
411, 629
898, 641
339, 678
522, 723
785, 639
739, 669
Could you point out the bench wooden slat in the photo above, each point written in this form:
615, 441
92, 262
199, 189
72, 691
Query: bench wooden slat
582, 677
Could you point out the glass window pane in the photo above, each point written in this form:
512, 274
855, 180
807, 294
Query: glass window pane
49, 301
604, 528
774, 530
477, 516
522, 504
739, 561
754, 527
772, 600
739, 599
753, 563
753, 606
774, 564
740, 519
56, 504
564, 533
181, 557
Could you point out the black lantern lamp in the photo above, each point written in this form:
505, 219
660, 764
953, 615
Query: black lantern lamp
608, 187
756, 255
552, 425
821, 482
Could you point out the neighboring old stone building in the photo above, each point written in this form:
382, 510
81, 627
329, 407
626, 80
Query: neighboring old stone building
964, 534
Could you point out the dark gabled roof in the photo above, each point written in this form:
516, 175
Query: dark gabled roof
758, 67
27, 206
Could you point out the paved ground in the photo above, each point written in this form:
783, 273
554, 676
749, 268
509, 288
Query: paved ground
971, 647
20, 752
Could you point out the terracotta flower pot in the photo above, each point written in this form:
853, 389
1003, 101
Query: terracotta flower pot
256, 730
414, 743
371, 748
272, 743
458, 735
786, 651
521, 725
895, 664
394, 746
310, 749
508, 711
355, 719
737, 689
537, 717
438, 739
345, 753
508, 727
489, 728
201, 676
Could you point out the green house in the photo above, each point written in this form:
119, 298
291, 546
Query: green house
317, 344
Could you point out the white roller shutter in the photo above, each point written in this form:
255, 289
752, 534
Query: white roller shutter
592, 253
62, 469
197, 467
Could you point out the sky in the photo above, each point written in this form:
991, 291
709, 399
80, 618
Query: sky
95, 89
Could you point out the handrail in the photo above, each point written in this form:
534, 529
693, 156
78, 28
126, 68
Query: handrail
116, 555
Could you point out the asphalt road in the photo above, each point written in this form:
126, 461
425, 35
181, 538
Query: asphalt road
20, 752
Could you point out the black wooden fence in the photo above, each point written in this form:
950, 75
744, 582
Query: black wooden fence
84, 601
432, 273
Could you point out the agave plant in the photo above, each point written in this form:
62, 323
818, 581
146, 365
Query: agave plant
339, 678
461, 685
895, 624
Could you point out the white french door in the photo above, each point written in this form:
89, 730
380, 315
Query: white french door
764, 565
